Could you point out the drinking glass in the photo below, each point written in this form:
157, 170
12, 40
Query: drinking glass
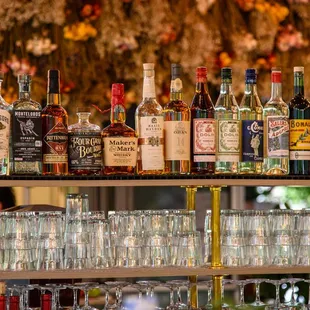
156, 222
307, 306
156, 251
75, 289
224, 283
257, 302
76, 204
209, 285
277, 304
207, 237
131, 223
293, 302
118, 285
25, 292
241, 284
303, 231
184, 221
178, 284
86, 287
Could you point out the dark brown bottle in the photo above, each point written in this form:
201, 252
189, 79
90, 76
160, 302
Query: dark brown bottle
54, 129
202, 127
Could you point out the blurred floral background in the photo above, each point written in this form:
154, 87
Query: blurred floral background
95, 43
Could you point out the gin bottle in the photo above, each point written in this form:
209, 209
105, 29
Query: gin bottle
228, 127
251, 116
5, 123
276, 129
27, 131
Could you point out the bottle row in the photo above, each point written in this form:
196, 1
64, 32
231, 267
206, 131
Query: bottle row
178, 138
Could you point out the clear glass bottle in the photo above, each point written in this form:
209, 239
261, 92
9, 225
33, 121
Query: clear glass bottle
5, 130
252, 127
150, 127
26, 131
120, 143
177, 116
85, 145
276, 129
228, 127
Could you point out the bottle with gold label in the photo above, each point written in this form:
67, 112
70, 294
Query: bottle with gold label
299, 127
177, 116
119, 140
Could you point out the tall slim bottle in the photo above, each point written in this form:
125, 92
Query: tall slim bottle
5, 123
299, 127
177, 116
150, 127
276, 129
54, 129
252, 128
227, 127
202, 127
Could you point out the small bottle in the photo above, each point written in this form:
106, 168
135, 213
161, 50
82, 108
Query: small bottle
228, 127
177, 116
5, 129
26, 131
13, 303
299, 127
120, 143
276, 129
202, 127
85, 147
55, 129
252, 127
46, 301
150, 127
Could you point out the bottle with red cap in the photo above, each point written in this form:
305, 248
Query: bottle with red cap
119, 140
276, 129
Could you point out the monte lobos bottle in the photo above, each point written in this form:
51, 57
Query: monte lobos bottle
120, 143
202, 127
299, 127
54, 129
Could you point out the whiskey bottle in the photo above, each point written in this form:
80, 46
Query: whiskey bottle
251, 116
150, 127
227, 127
202, 127
299, 127
85, 147
5, 123
120, 143
26, 131
55, 129
177, 117
276, 129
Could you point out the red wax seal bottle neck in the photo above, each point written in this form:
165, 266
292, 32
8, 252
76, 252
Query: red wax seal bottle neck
201, 74
117, 94
276, 77
46, 302
14, 303
2, 302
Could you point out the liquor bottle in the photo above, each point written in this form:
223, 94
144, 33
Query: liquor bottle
85, 147
276, 129
55, 129
120, 143
252, 128
13, 303
150, 127
26, 131
227, 127
299, 127
5, 123
202, 127
177, 117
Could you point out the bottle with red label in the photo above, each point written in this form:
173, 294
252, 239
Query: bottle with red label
202, 127
54, 129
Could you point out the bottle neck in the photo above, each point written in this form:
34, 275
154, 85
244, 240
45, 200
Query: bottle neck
118, 114
276, 91
24, 91
226, 88
201, 86
176, 89
53, 99
298, 84
149, 86
250, 89
83, 117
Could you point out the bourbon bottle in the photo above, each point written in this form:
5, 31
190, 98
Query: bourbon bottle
54, 129
119, 140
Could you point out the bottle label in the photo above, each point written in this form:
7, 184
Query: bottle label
120, 151
177, 140
85, 151
252, 141
299, 139
27, 136
4, 133
56, 142
277, 136
228, 141
204, 139
151, 142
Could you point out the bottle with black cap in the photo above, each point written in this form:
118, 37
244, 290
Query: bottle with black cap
177, 117
55, 129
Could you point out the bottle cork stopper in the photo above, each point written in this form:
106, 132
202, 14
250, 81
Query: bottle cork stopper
117, 89
148, 66
276, 75
299, 69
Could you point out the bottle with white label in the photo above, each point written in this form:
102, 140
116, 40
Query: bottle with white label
120, 143
227, 127
5, 121
276, 129
150, 127
177, 116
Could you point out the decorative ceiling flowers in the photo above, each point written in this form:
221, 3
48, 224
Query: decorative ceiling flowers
80, 31
39, 46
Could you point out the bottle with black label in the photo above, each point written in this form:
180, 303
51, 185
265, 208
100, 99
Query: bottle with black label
26, 147
85, 147
55, 129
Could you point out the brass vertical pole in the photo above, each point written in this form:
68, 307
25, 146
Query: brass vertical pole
216, 245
